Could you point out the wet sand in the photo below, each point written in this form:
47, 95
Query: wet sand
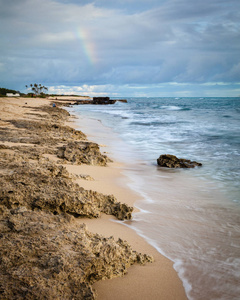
158, 280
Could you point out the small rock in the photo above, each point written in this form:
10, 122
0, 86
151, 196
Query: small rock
86, 177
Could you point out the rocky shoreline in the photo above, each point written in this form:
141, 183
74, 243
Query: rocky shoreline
44, 253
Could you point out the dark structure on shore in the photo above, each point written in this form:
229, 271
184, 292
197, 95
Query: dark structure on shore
100, 101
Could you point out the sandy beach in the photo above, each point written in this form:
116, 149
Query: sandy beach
153, 280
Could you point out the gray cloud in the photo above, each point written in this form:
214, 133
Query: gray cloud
137, 42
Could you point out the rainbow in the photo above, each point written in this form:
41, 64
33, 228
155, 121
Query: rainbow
87, 45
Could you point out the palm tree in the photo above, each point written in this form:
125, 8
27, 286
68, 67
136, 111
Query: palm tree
38, 88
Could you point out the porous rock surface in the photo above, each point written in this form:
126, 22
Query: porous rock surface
46, 252
51, 257
171, 161
40, 132
47, 186
83, 153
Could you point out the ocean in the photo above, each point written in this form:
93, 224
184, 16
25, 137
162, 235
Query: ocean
192, 216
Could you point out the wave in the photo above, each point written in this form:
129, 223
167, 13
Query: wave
153, 123
124, 114
172, 107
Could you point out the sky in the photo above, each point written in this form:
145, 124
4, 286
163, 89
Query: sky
137, 48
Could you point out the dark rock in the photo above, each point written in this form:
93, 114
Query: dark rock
171, 161
100, 101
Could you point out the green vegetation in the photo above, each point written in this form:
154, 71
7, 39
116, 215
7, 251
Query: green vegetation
4, 91
35, 89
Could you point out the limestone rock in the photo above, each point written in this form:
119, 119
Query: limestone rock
86, 177
45, 250
83, 153
46, 130
49, 187
171, 161
51, 257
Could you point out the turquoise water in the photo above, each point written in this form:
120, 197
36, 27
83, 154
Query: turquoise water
190, 216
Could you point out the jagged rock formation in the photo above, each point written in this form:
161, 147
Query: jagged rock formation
100, 101
46, 186
171, 161
51, 257
40, 133
83, 153
45, 250
44, 128
47, 136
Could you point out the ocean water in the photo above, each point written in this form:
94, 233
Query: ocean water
192, 216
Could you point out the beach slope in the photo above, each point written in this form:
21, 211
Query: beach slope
59, 204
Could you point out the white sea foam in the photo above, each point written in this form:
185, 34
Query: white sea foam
179, 267
171, 107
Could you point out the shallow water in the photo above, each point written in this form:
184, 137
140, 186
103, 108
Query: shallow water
180, 217
190, 216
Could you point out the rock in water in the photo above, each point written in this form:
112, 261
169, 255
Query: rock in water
171, 161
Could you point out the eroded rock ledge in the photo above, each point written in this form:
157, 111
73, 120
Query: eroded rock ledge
47, 186
83, 153
51, 257
46, 253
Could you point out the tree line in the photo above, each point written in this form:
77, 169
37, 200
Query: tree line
4, 91
36, 89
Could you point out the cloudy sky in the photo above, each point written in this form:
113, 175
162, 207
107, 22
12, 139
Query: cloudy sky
122, 48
